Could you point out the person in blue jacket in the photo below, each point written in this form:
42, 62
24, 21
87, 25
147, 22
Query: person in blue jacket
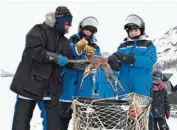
102, 87
72, 79
136, 57
72, 76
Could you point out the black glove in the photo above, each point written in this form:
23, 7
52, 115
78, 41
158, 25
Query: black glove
114, 62
125, 58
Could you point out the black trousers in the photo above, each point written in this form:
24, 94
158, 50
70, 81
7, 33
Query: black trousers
65, 115
50, 115
23, 113
24, 110
160, 124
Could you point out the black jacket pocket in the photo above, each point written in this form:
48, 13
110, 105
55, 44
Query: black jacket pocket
36, 85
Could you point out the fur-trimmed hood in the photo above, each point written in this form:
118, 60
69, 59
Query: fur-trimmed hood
50, 19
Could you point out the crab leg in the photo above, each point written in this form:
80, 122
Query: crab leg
86, 73
78, 61
117, 80
113, 87
109, 71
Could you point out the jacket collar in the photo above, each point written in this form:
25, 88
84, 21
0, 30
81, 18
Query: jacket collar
142, 37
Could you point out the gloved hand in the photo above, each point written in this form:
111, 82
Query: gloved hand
114, 62
89, 52
89, 49
125, 58
62, 60
167, 114
81, 45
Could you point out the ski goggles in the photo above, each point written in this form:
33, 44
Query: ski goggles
157, 78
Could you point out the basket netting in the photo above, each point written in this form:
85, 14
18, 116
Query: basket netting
129, 113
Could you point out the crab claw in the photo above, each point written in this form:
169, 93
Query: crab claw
89, 55
86, 73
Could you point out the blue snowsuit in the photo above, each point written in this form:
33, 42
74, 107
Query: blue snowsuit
72, 79
71, 86
137, 78
103, 87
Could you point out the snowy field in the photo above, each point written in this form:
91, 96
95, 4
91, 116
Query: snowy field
7, 99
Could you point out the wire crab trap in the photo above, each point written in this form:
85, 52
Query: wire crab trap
129, 113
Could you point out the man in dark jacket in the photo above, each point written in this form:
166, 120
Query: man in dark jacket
160, 105
46, 53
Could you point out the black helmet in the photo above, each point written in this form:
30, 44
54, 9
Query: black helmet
90, 23
157, 75
62, 11
133, 22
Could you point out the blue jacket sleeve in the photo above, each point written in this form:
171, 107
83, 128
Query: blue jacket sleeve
74, 39
97, 52
148, 59
72, 46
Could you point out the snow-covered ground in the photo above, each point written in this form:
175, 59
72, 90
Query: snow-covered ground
7, 100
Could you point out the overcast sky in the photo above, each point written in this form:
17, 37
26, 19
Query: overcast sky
17, 17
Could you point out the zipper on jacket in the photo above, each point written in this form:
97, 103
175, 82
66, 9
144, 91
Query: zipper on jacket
134, 45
